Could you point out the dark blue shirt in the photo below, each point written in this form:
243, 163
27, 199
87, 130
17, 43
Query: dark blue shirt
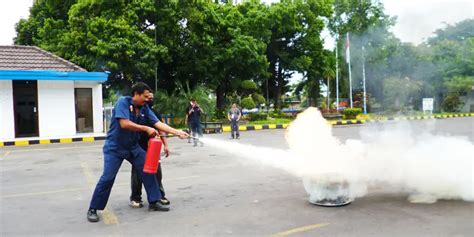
121, 140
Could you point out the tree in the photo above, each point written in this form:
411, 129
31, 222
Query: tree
295, 43
368, 26
401, 94
247, 103
48, 18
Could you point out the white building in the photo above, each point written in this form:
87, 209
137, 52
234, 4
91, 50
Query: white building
46, 97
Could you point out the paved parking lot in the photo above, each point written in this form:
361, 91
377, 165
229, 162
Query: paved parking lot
46, 189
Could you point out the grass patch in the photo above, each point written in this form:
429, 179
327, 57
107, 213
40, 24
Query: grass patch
270, 121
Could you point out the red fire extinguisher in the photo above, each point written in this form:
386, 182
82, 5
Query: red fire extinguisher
152, 158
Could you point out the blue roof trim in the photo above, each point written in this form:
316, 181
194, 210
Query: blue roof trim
52, 75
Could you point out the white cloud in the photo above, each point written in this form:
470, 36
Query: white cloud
418, 19
10, 13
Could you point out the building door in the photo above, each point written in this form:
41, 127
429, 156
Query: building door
25, 106
84, 112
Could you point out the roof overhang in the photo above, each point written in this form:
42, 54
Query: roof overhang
52, 75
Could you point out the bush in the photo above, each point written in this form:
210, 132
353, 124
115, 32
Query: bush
351, 113
248, 85
219, 114
452, 103
277, 114
259, 99
257, 116
247, 103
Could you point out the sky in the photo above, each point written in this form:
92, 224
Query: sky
417, 19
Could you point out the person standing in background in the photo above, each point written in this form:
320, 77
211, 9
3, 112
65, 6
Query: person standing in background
194, 114
234, 117
186, 120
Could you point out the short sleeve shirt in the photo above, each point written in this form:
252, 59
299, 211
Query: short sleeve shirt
234, 114
122, 140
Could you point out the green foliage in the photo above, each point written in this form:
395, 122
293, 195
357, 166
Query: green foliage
176, 103
324, 104
452, 103
400, 94
247, 103
219, 114
237, 50
351, 113
257, 116
258, 98
271, 121
278, 114
460, 84
249, 86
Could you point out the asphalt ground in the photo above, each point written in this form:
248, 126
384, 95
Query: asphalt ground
46, 189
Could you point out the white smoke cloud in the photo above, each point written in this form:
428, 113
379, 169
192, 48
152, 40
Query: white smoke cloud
428, 166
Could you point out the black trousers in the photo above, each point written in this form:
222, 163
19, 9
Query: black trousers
136, 183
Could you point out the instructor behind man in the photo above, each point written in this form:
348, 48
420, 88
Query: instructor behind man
136, 181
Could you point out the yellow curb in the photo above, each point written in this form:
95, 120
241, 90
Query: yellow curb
226, 129
257, 127
285, 125
343, 122
243, 128
1, 144
88, 139
45, 141
354, 121
21, 143
65, 140
271, 126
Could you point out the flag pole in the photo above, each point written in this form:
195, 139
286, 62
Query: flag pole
337, 79
348, 56
363, 79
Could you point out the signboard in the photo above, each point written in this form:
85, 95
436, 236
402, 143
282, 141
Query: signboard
428, 104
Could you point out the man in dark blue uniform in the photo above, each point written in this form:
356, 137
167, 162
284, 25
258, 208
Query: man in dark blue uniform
122, 143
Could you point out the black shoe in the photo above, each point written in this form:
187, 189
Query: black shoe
238, 138
164, 201
195, 144
157, 206
232, 137
92, 215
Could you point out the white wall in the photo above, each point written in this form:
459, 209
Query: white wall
7, 120
96, 103
57, 116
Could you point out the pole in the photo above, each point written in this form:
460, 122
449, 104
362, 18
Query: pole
328, 105
337, 80
349, 65
156, 68
268, 102
363, 79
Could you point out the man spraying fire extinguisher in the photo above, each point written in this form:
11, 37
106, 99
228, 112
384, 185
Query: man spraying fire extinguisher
122, 143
